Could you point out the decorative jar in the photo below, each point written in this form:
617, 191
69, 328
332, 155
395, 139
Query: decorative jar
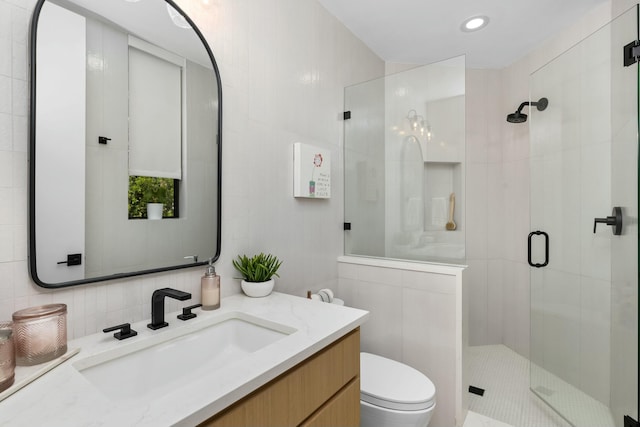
7, 356
40, 333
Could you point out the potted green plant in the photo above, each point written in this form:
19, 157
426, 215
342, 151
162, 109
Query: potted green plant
257, 273
153, 191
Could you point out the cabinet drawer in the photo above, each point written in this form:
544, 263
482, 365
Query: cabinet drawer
292, 397
342, 410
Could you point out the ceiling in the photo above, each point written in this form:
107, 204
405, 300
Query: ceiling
425, 31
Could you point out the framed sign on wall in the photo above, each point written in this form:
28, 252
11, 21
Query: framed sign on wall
311, 171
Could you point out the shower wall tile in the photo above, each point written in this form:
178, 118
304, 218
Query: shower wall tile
5, 94
496, 213
477, 208
478, 302
560, 207
5, 132
495, 114
484, 195
509, 309
523, 306
5, 55
595, 198
5, 23
561, 344
595, 338
516, 136
305, 59
516, 205
476, 110
495, 297
516, 306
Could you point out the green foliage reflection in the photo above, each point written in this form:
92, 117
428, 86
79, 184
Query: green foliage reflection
145, 189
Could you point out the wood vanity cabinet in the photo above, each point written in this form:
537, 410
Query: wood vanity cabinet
321, 391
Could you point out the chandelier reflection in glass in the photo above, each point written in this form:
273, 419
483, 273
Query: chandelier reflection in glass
418, 123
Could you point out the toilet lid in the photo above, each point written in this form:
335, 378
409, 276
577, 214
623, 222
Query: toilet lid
394, 385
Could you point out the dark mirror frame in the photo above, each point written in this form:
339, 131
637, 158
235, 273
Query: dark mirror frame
33, 161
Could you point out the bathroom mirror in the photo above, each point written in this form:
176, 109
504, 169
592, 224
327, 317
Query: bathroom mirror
126, 109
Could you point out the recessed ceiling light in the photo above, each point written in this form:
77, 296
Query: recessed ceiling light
474, 23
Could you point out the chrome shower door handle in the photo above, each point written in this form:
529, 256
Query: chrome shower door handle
546, 249
615, 221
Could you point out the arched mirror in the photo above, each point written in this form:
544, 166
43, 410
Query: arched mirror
126, 114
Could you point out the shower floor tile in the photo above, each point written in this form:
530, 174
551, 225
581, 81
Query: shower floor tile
580, 408
504, 375
478, 420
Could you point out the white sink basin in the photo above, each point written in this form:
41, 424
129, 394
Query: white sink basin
173, 358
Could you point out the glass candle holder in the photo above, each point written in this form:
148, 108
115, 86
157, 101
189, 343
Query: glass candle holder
7, 356
40, 333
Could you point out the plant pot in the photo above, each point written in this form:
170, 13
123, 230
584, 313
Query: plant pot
257, 289
154, 210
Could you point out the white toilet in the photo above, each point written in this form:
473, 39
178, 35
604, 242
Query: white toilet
393, 394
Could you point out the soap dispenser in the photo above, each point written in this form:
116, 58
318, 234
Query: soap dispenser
210, 286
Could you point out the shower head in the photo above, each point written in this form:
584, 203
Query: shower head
520, 117
517, 117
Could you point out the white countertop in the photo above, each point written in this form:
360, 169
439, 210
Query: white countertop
63, 396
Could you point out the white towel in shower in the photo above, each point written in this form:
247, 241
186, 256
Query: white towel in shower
439, 211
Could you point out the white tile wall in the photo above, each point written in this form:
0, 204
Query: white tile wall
498, 193
485, 197
416, 318
284, 65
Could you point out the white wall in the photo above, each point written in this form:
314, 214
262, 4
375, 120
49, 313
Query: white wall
284, 65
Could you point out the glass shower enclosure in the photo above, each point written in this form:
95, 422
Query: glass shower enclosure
583, 246
404, 165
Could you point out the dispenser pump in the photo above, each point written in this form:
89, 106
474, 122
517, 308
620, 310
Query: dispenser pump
210, 287
211, 269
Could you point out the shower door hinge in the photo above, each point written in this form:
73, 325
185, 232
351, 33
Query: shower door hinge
632, 53
346, 115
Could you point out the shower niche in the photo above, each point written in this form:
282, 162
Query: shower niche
405, 165
443, 154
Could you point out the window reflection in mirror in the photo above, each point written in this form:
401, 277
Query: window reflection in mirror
126, 111
145, 189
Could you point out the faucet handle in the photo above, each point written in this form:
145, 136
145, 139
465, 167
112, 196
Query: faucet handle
186, 312
125, 331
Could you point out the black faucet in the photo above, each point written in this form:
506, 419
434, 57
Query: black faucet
157, 305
